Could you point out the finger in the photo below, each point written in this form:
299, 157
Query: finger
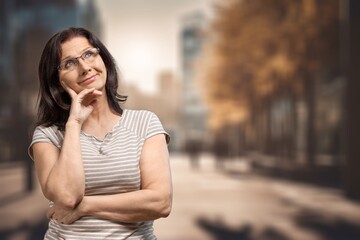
97, 92
65, 221
69, 219
85, 92
50, 212
90, 97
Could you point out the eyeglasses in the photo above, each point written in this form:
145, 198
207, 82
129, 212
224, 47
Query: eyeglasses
70, 64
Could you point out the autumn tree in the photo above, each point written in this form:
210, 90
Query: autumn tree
260, 51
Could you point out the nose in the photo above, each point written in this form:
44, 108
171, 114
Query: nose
84, 68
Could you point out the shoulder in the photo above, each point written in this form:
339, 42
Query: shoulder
47, 130
137, 117
51, 133
45, 134
144, 123
137, 114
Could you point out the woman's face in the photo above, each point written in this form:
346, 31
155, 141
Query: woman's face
78, 73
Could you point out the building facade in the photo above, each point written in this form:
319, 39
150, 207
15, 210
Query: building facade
194, 113
25, 27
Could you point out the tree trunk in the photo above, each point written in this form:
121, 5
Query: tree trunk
310, 122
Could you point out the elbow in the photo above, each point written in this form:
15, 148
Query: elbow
165, 206
66, 200
165, 211
69, 202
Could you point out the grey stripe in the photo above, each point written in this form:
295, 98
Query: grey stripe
111, 166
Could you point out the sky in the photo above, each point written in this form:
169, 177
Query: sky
143, 36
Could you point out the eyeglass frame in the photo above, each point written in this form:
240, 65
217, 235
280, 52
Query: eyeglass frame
77, 58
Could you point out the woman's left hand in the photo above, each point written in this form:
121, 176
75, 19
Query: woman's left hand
63, 215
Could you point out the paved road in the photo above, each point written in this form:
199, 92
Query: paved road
212, 204
21, 213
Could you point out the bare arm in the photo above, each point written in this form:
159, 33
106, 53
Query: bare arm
61, 172
151, 202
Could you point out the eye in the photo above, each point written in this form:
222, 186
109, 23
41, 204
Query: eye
69, 63
88, 54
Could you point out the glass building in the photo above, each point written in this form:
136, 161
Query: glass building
25, 27
194, 110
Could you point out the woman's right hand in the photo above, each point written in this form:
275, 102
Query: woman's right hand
81, 103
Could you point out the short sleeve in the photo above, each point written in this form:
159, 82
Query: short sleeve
155, 127
47, 135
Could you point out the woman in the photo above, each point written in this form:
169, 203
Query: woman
105, 170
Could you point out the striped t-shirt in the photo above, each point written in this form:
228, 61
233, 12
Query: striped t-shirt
111, 166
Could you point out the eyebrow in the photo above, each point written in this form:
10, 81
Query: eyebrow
70, 57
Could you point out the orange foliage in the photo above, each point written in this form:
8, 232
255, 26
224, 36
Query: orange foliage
254, 46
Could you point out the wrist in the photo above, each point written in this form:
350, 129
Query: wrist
83, 207
73, 124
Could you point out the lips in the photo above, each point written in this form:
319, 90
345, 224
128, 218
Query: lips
87, 80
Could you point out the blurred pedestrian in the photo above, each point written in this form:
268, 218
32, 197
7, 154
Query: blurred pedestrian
220, 149
104, 169
193, 148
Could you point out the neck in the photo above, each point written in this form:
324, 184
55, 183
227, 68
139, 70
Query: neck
102, 114
101, 120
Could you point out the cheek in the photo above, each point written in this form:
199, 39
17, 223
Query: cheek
64, 77
100, 65
69, 80
105, 75
101, 68
68, 76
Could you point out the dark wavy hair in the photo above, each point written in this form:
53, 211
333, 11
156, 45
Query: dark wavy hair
54, 103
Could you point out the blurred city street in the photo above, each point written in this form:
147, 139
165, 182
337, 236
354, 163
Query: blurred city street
270, 88
232, 203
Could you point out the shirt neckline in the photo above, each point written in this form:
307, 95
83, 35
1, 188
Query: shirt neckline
116, 125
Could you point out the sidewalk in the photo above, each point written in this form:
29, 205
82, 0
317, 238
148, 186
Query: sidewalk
234, 203
209, 203
22, 214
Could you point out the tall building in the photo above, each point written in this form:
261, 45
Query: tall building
193, 111
25, 27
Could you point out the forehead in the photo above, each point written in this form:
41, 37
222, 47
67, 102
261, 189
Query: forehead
74, 46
